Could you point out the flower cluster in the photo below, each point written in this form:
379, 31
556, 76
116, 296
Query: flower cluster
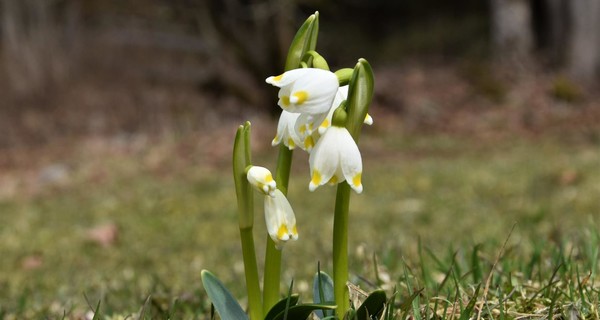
309, 98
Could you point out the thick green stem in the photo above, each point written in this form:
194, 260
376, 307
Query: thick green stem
252, 283
340, 249
273, 256
272, 275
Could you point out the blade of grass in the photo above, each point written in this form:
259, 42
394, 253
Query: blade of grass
490, 275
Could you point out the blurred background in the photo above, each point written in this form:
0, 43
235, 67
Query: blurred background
117, 120
74, 67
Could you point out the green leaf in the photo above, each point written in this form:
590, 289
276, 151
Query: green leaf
467, 312
302, 311
97, 311
281, 305
323, 292
304, 41
476, 265
408, 303
226, 305
372, 306
360, 94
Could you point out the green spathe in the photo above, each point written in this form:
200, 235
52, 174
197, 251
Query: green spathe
360, 94
243, 189
304, 41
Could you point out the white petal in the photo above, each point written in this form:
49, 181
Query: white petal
284, 98
261, 179
285, 130
351, 161
319, 89
280, 219
340, 96
368, 120
287, 77
324, 160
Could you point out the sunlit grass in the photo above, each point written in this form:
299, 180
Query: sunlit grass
434, 215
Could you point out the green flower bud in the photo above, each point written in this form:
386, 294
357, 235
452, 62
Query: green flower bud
360, 94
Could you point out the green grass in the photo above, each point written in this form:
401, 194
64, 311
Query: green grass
435, 214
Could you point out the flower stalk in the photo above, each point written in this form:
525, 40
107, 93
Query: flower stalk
273, 255
360, 93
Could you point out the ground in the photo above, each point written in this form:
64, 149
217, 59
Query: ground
120, 215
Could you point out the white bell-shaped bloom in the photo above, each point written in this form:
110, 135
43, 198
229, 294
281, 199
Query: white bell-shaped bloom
336, 158
286, 131
340, 96
280, 219
306, 90
262, 179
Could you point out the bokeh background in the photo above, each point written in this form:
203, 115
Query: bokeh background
117, 118
106, 67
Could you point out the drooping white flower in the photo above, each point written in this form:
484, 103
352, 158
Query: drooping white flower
306, 90
336, 158
262, 179
286, 131
280, 219
340, 96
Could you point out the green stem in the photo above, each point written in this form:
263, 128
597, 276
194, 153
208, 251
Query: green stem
272, 275
340, 249
252, 282
273, 256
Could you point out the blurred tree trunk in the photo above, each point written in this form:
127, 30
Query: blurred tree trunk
512, 34
584, 47
32, 53
246, 43
555, 30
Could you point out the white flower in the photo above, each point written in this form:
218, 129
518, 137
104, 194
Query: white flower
340, 96
262, 179
280, 219
336, 158
286, 131
306, 90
